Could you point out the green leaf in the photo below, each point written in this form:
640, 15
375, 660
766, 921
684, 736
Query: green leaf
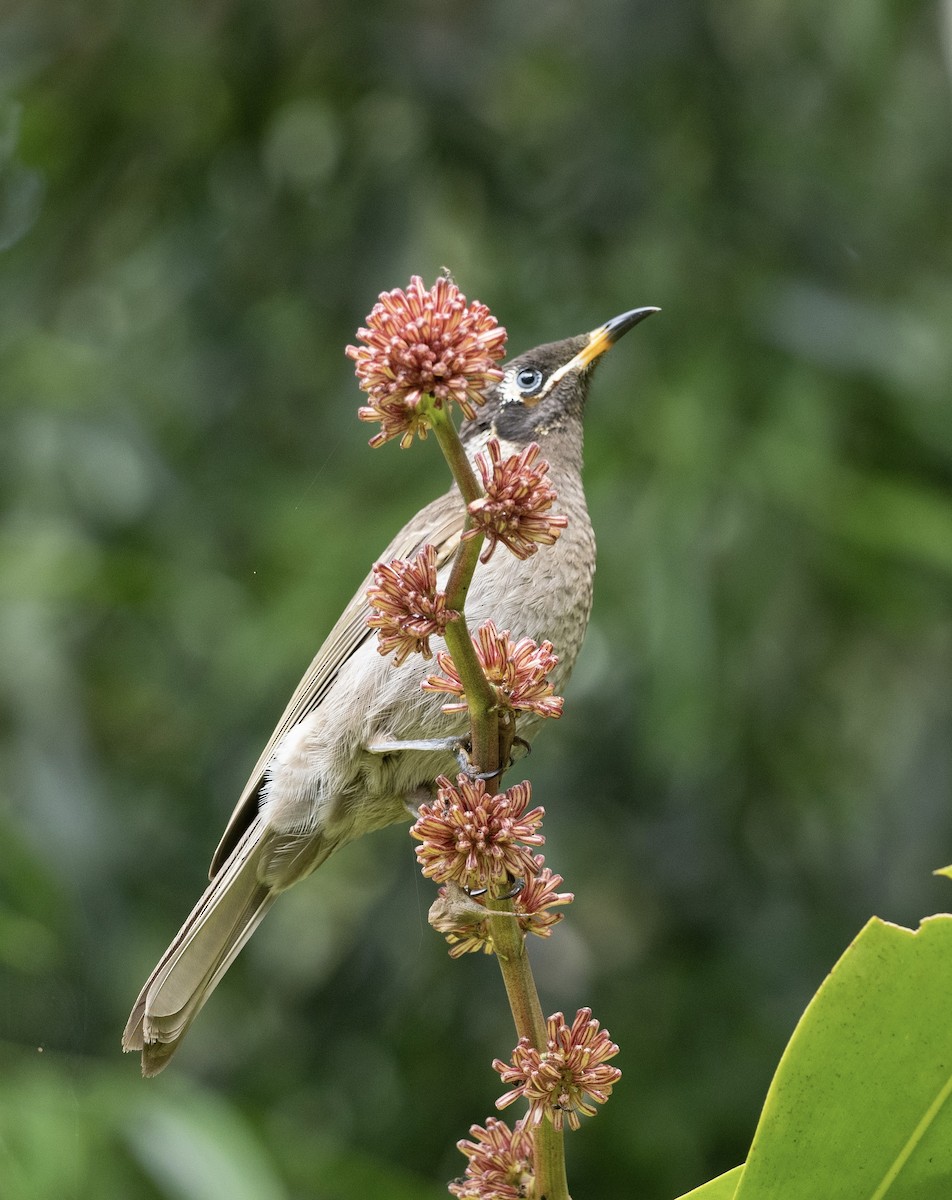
859, 1107
724, 1187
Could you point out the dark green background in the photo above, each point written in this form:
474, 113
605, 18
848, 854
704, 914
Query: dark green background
198, 206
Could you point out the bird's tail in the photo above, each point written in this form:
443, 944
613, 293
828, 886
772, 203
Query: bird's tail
225, 917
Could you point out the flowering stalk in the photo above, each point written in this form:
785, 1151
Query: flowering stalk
424, 351
507, 938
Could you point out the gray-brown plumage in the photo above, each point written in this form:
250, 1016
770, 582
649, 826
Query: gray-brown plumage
333, 769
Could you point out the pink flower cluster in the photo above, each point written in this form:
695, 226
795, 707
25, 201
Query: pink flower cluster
515, 508
565, 1079
473, 838
517, 670
421, 347
407, 610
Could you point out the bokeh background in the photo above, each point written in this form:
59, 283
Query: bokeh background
198, 206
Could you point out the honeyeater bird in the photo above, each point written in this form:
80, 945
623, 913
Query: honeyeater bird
360, 743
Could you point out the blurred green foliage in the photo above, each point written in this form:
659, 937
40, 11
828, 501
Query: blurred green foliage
198, 205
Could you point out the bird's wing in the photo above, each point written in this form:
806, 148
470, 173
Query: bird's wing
440, 524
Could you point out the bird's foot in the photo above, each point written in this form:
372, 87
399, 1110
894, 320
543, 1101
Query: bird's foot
386, 745
452, 745
469, 769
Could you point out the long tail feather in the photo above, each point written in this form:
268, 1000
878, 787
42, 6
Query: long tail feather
225, 917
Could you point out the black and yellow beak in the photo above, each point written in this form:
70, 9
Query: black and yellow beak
605, 336
599, 340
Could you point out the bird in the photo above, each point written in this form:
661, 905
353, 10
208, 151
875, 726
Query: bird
360, 743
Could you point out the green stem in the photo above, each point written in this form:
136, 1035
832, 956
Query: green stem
480, 695
452, 447
509, 944
551, 1180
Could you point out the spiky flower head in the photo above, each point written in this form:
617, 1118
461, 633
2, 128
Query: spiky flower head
500, 1163
425, 348
407, 610
537, 898
464, 919
517, 670
569, 1077
473, 838
515, 508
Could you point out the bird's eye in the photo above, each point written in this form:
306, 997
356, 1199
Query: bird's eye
529, 380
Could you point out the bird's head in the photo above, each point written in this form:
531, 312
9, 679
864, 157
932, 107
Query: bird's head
543, 391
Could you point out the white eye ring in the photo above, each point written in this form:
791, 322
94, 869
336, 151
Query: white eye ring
528, 380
